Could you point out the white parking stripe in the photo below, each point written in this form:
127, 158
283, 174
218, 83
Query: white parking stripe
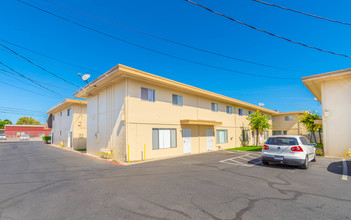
344, 170
243, 157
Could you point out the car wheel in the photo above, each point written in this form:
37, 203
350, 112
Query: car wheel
314, 158
305, 165
264, 162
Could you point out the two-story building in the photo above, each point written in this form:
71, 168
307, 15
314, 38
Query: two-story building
140, 115
69, 123
287, 123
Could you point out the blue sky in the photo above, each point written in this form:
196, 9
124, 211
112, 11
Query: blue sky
179, 21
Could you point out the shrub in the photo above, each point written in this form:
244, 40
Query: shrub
46, 139
319, 152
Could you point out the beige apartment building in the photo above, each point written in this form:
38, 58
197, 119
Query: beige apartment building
69, 123
333, 91
287, 123
140, 115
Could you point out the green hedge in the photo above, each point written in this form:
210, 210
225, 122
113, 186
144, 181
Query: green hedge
46, 139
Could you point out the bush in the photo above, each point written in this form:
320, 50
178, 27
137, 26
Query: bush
46, 139
319, 152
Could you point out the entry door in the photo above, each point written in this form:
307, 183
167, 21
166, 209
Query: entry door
69, 141
209, 136
187, 140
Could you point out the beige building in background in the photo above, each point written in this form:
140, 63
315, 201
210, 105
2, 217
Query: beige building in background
157, 117
69, 123
287, 123
333, 91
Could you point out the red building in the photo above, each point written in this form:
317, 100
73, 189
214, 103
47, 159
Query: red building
15, 131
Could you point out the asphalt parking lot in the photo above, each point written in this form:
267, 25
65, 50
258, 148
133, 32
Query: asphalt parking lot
42, 182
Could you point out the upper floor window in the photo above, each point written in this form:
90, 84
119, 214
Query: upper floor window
229, 110
60, 113
288, 118
148, 94
68, 112
250, 112
177, 99
240, 111
53, 117
214, 107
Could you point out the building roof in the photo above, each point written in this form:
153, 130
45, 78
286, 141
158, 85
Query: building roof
120, 71
64, 104
8, 125
313, 83
291, 113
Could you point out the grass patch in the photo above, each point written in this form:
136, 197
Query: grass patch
81, 150
247, 148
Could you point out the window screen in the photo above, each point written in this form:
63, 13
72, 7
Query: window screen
148, 94
222, 136
177, 99
214, 107
240, 111
229, 109
164, 138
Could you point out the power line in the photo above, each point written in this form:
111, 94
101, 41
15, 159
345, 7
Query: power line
23, 76
26, 89
15, 113
266, 32
52, 58
300, 12
174, 42
11, 108
40, 67
150, 49
6, 73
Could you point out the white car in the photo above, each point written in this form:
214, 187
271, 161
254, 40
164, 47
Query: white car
24, 137
293, 150
2, 137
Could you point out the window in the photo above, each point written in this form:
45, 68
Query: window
68, 112
214, 107
288, 118
272, 119
53, 117
266, 135
305, 141
164, 138
250, 112
222, 136
60, 132
282, 141
245, 135
177, 100
148, 94
229, 109
285, 132
277, 132
240, 111
60, 113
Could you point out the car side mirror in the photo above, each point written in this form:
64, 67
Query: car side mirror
314, 144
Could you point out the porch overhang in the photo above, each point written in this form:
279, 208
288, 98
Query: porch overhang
199, 122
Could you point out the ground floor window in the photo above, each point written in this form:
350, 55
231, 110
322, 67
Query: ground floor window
164, 138
277, 132
222, 136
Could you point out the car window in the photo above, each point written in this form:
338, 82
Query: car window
282, 141
302, 139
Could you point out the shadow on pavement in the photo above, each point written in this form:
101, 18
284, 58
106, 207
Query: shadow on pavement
272, 165
337, 167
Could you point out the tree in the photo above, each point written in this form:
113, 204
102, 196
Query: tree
259, 123
308, 119
4, 122
27, 121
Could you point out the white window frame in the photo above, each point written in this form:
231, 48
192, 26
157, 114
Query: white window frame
214, 107
164, 138
289, 118
177, 100
218, 136
150, 94
229, 109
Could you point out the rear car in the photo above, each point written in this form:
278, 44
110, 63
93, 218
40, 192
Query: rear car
2, 137
293, 150
24, 137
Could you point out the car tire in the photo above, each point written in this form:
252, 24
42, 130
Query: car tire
265, 162
305, 165
314, 158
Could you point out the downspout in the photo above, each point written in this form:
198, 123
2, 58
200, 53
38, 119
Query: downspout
126, 118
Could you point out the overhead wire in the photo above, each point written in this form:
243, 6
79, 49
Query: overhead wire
29, 79
40, 67
150, 49
173, 41
267, 32
300, 12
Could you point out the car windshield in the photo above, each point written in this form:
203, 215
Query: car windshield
2, 135
24, 135
282, 141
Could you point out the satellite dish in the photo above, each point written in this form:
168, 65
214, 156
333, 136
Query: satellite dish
85, 77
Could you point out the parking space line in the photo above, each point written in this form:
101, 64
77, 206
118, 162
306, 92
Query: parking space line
344, 170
